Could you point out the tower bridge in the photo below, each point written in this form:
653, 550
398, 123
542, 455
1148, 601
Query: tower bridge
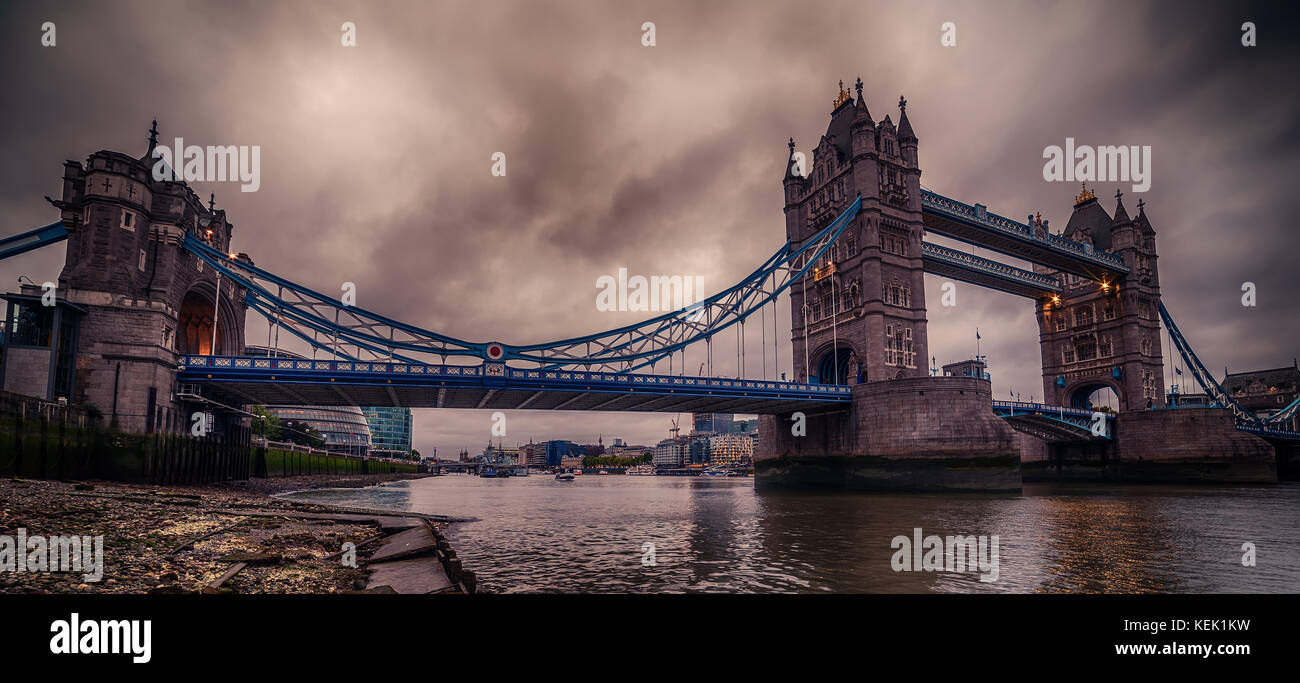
151, 326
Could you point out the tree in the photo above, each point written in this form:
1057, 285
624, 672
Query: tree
302, 434
266, 424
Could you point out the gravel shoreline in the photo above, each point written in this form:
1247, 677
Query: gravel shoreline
183, 539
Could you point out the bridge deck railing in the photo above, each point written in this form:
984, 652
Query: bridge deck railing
1002, 224
989, 266
1027, 407
501, 371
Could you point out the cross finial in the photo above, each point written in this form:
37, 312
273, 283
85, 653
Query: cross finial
902, 103
153, 133
1118, 194
792, 145
1141, 203
212, 201
858, 86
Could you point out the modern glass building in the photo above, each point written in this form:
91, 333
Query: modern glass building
390, 431
712, 423
344, 427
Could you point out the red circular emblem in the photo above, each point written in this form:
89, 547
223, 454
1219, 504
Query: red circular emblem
495, 352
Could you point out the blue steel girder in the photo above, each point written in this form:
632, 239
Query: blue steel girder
1212, 388
1054, 423
1269, 432
945, 262
32, 239
350, 332
976, 225
493, 385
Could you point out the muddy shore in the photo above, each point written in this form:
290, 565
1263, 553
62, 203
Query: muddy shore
191, 539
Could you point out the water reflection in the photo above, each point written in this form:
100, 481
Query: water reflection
720, 535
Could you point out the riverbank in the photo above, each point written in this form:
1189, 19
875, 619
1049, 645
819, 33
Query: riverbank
230, 538
308, 482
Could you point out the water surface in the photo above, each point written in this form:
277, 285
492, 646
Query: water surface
535, 534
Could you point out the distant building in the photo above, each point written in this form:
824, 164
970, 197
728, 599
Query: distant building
534, 454
731, 449
672, 452
344, 427
712, 423
699, 451
558, 450
390, 431
1265, 392
975, 367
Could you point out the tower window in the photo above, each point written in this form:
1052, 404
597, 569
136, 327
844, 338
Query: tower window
898, 346
896, 294
142, 259
1082, 316
1087, 349
128, 221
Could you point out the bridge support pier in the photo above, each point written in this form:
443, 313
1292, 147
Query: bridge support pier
912, 434
1187, 445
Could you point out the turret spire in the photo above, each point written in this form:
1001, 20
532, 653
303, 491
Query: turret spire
904, 126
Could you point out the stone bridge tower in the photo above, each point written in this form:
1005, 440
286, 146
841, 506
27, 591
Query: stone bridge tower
148, 299
861, 316
1105, 334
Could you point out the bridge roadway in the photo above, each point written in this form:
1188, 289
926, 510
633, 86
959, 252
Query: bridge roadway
950, 263
975, 225
492, 386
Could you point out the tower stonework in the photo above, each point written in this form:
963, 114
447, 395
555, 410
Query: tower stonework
1106, 334
148, 299
861, 316
860, 319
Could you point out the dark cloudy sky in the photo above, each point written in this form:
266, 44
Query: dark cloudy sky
666, 159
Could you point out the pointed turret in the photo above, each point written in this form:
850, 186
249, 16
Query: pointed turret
1142, 220
153, 143
904, 126
790, 164
1121, 216
862, 115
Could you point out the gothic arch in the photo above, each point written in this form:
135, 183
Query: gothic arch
1077, 394
841, 366
193, 334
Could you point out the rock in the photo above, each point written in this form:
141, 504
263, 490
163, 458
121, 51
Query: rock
84, 487
359, 584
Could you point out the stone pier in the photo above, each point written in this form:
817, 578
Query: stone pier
1187, 445
911, 434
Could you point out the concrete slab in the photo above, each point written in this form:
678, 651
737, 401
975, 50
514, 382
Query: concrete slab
405, 544
410, 577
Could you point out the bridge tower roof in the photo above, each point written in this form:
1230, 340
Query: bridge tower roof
1089, 220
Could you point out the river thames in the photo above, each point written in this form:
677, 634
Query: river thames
535, 534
